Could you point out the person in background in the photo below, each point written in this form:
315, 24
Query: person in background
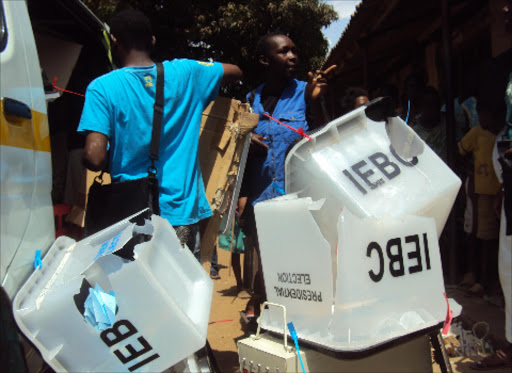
117, 121
412, 91
430, 124
297, 104
390, 90
353, 98
479, 143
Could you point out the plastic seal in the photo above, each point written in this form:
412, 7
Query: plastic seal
293, 334
38, 263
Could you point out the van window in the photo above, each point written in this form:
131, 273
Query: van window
3, 28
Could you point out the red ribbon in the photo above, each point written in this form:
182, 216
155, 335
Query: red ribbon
54, 84
449, 317
300, 131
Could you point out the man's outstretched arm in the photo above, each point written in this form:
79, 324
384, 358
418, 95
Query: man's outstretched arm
232, 73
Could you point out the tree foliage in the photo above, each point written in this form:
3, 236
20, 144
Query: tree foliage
227, 31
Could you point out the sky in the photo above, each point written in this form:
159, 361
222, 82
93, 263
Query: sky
345, 9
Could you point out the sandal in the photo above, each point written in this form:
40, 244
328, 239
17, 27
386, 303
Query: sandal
476, 290
496, 360
468, 281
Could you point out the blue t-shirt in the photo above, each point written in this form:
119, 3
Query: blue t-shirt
120, 105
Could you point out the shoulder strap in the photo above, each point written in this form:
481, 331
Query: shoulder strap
158, 110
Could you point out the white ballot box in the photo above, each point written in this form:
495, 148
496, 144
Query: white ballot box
352, 250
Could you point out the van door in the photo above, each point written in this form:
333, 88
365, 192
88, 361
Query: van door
26, 212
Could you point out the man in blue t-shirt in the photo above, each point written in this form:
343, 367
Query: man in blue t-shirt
117, 119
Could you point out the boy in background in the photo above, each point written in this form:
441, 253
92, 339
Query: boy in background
479, 142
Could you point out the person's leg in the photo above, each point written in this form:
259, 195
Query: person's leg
471, 267
237, 270
259, 295
214, 265
487, 232
194, 241
248, 263
473, 259
490, 252
478, 288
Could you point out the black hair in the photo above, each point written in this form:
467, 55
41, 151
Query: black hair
390, 90
262, 44
493, 103
432, 93
132, 29
348, 99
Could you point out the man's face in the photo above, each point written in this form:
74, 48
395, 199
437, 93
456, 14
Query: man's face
430, 109
281, 56
360, 101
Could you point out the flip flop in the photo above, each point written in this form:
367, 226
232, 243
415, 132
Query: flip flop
248, 317
496, 360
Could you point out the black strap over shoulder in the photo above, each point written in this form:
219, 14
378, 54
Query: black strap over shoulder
157, 116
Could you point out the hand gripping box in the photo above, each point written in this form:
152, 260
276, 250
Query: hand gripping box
162, 301
352, 249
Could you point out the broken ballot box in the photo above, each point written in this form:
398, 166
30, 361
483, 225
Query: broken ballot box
88, 309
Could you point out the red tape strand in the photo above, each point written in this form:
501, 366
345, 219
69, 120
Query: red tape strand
216, 322
449, 317
54, 84
300, 131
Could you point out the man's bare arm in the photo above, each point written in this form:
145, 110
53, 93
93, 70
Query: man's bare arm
95, 151
232, 73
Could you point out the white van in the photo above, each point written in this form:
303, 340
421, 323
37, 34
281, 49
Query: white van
63, 40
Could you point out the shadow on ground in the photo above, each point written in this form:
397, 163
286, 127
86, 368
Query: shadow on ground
227, 361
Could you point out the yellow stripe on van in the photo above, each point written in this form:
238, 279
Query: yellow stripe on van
25, 133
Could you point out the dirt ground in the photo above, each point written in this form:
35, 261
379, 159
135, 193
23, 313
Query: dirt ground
225, 328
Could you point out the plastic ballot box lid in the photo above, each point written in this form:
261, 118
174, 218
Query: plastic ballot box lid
353, 164
297, 263
87, 310
389, 281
